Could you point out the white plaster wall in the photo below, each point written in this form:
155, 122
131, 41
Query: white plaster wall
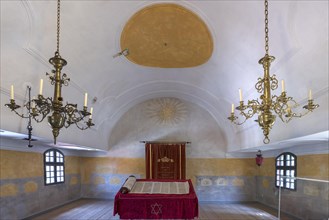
189, 123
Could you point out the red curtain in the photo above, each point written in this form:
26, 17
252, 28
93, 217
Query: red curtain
165, 160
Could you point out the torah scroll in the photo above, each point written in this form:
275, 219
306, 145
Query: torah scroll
149, 187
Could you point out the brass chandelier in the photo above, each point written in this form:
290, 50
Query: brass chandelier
61, 115
268, 104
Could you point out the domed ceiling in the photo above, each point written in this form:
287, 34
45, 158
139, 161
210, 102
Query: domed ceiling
184, 57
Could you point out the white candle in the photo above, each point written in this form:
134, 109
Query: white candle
91, 113
282, 83
86, 98
41, 86
232, 108
12, 92
240, 95
310, 95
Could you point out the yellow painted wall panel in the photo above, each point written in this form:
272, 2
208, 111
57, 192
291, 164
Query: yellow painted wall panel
220, 167
15, 164
72, 165
18, 165
267, 168
313, 166
308, 166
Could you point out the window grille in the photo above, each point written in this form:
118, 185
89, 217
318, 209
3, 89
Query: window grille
286, 166
54, 167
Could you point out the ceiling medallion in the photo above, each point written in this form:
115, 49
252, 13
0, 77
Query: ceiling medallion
167, 35
166, 110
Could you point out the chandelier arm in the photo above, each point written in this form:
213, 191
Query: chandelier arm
20, 115
254, 106
235, 121
70, 111
42, 108
259, 86
65, 80
247, 112
82, 128
88, 123
74, 116
279, 105
274, 82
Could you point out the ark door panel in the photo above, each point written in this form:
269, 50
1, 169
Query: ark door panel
165, 161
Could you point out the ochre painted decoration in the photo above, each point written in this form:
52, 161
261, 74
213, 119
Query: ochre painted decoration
115, 181
167, 35
99, 180
9, 189
170, 111
30, 187
238, 182
74, 180
266, 183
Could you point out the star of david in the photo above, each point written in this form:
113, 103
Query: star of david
156, 209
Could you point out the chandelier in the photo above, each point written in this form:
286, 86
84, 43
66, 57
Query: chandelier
59, 115
268, 104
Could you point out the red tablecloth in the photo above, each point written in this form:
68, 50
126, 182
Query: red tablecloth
157, 206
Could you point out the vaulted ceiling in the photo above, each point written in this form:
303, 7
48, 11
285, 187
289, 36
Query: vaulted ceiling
191, 53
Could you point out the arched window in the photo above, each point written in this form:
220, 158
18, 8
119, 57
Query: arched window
54, 167
285, 166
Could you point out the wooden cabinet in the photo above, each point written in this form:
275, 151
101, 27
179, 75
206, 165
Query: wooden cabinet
165, 161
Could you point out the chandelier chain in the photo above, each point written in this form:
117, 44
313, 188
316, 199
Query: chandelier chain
58, 24
266, 27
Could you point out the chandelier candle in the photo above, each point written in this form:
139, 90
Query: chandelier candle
91, 113
12, 92
282, 84
41, 87
86, 99
240, 95
310, 95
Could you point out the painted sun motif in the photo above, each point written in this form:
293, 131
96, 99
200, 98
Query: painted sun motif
166, 110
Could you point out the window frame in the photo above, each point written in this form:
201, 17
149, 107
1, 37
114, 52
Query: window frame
286, 167
55, 163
